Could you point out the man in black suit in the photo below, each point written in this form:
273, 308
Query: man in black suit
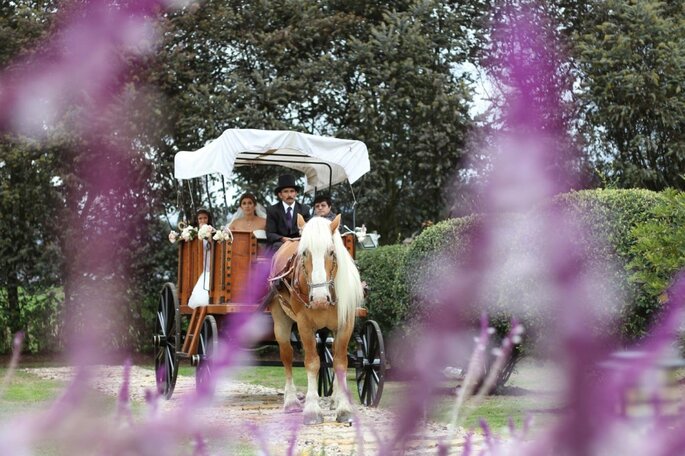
281, 218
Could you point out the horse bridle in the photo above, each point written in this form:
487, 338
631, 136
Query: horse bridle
329, 283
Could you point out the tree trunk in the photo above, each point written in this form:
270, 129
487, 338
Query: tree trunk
13, 310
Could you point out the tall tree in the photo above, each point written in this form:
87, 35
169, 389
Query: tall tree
78, 202
384, 73
529, 62
29, 201
631, 57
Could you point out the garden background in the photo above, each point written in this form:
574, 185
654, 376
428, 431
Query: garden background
86, 169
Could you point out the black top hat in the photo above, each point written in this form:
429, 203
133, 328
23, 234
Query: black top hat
287, 181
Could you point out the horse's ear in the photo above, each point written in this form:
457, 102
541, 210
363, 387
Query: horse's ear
335, 223
300, 221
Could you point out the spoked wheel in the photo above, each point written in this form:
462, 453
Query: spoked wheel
206, 350
370, 363
326, 372
165, 340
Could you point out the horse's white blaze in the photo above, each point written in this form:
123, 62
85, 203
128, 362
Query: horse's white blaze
319, 294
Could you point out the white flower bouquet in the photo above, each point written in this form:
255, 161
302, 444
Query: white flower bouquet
189, 233
224, 234
205, 231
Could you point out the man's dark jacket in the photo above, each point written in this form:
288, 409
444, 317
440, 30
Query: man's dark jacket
276, 224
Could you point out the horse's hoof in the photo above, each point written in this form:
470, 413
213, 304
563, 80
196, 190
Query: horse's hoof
344, 417
313, 418
293, 407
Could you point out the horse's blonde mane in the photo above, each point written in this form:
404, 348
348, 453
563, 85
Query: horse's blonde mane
317, 238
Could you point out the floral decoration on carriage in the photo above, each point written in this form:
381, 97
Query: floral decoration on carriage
205, 232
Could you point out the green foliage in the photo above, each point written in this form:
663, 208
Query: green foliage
382, 270
29, 249
79, 213
631, 61
436, 250
659, 249
610, 217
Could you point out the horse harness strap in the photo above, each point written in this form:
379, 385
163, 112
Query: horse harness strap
295, 266
292, 288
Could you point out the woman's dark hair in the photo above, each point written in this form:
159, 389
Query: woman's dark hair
247, 195
202, 210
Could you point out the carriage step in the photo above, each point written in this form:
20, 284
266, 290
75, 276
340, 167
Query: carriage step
191, 341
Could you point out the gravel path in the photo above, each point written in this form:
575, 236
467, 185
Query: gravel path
249, 407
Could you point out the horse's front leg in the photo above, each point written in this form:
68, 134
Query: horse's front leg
282, 328
312, 410
341, 395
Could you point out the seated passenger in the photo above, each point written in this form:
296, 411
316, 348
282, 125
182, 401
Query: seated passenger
202, 217
322, 207
250, 216
281, 218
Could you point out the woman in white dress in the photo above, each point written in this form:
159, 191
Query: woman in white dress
200, 295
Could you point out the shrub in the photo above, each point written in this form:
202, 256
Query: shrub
433, 253
40, 320
611, 216
382, 268
659, 249
630, 238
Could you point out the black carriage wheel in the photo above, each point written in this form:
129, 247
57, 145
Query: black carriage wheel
326, 372
370, 364
206, 349
165, 341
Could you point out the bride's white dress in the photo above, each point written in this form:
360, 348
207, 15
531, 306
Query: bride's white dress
200, 295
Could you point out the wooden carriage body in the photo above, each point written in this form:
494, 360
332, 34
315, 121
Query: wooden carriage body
232, 265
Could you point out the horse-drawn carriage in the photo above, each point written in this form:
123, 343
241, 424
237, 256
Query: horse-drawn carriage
184, 333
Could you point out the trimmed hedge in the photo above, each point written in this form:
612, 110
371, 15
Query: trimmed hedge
612, 216
659, 250
403, 280
382, 268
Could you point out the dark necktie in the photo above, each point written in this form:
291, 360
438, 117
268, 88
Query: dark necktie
289, 218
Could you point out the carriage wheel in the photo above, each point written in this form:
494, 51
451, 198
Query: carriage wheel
165, 340
326, 372
206, 350
370, 364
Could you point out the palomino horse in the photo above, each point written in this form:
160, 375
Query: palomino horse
321, 289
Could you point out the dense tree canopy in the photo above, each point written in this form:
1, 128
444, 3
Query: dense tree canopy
631, 58
384, 73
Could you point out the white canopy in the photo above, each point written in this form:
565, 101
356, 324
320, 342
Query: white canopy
323, 160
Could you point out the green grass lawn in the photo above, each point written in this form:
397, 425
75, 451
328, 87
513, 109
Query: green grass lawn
26, 392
